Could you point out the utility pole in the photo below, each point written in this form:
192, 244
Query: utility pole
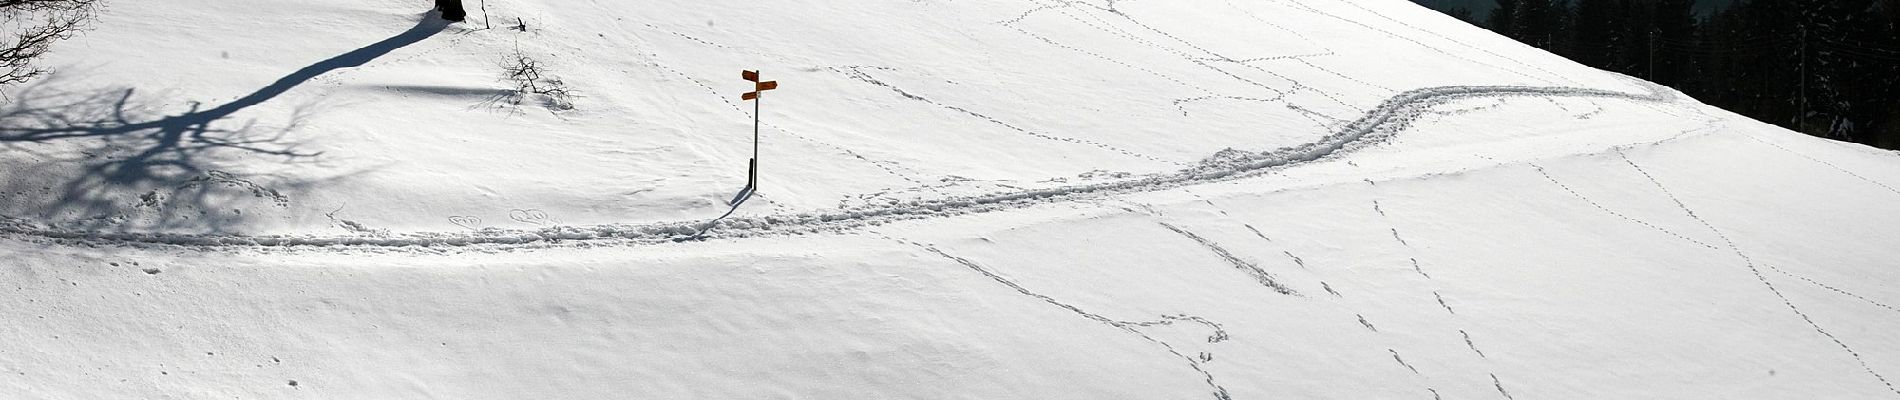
1652, 55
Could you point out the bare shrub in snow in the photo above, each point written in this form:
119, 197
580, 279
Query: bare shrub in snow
531, 79
35, 25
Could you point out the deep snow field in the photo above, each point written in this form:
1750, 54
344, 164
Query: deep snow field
1229, 199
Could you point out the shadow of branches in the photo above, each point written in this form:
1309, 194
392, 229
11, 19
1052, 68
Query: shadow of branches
97, 160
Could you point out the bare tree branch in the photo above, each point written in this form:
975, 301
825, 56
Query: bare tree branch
531, 77
38, 24
42, 5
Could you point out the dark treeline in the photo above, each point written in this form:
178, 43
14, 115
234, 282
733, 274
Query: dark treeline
1828, 68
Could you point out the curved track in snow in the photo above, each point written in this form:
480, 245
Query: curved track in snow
1388, 118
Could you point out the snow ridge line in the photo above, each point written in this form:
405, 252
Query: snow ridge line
1393, 115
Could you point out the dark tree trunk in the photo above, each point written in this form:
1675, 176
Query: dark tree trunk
451, 10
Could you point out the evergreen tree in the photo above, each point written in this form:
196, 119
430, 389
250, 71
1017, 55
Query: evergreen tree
1823, 67
1463, 14
1768, 60
1535, 23
1563, 21
1635, 23
1597, 40
1674, 22
1851, 69
1886, 134
1892, 9
1503, 19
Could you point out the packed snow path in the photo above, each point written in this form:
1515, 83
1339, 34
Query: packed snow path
1388, 118
1009, 96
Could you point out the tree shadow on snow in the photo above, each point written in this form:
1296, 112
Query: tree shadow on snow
99, 160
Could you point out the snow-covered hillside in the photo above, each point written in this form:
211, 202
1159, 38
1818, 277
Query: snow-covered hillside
975, 199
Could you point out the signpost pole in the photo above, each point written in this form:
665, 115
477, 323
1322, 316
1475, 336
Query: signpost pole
756, 101
755, 96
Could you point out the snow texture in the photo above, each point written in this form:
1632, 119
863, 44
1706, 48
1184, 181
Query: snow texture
975, 199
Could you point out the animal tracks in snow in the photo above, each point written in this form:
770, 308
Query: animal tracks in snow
1377, 122
1260, 275
530, 216
1381, 210
472, 223
227, 179
1387, 119
1194, 362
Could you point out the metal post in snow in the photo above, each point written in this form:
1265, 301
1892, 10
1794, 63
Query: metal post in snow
757, 93
1652, 54
758, 103
752, 173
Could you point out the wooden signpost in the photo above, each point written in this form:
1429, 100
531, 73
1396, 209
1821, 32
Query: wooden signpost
752, 172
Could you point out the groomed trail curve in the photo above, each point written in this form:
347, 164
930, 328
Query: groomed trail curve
1391, 116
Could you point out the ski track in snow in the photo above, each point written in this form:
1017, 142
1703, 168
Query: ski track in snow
1393, 115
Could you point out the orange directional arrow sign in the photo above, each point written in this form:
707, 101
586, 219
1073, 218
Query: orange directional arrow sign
757, 87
